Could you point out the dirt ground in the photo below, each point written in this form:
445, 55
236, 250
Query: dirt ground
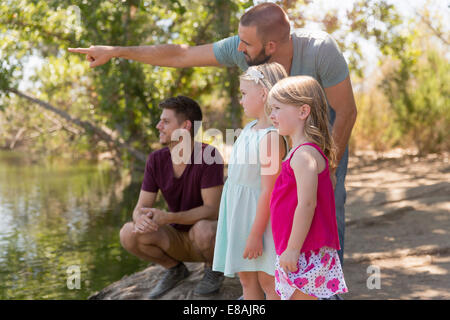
397, 227
398, 219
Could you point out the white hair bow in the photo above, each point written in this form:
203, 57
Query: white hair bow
254, 74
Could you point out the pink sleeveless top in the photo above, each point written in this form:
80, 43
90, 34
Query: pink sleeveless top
283, 202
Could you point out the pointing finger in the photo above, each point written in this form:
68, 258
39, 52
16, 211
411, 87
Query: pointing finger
79, 50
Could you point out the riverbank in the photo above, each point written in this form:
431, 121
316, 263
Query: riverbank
398, 222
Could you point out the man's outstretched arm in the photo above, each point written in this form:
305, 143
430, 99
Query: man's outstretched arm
165, 55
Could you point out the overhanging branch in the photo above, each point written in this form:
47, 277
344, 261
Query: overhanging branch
119, 143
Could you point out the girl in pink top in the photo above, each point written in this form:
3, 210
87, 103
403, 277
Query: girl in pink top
302, 205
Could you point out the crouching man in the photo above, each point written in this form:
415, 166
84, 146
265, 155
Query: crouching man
192, 188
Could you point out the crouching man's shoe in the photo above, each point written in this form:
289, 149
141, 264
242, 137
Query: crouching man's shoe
211, 282
170, 279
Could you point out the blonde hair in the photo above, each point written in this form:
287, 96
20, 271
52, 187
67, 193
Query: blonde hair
269, 75
301, 90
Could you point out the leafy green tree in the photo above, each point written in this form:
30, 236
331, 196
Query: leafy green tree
120, 98
122, 95
419, 93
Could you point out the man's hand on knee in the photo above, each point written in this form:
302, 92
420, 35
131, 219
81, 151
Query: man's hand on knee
158, 217
145, 224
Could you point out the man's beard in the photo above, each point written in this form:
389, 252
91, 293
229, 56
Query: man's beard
261, 58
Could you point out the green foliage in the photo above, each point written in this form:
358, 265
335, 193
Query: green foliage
419, 93
123, 95
374, 21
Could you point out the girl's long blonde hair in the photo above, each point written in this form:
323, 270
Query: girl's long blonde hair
300, 90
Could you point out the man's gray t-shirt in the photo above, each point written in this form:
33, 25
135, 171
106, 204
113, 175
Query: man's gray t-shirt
316, 54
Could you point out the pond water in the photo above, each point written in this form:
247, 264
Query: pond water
59, 228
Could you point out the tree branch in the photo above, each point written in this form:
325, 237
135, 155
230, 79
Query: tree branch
118, 143
436, 32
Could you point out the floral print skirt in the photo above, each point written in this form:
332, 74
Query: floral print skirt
319, 275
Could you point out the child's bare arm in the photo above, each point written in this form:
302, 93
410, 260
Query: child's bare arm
305, 168
270, 155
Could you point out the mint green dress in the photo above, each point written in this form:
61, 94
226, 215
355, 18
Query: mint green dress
238, 208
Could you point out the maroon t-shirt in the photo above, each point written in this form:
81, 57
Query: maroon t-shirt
183, 193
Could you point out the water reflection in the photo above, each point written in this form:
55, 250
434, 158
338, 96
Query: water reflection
53, 217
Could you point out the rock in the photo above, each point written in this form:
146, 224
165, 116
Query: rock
137, 286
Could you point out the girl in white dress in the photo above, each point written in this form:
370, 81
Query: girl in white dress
244, 242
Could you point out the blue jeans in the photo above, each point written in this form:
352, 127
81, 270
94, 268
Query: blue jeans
340, 194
